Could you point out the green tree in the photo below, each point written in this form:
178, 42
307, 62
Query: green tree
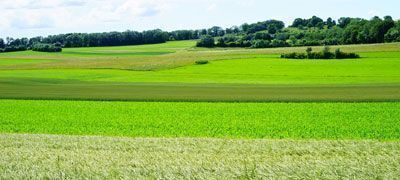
299, 22
206, 41
2, 44
330, 23
216, 31
393, 35
344, 21
315, 22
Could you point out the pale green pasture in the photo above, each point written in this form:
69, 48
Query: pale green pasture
259, 70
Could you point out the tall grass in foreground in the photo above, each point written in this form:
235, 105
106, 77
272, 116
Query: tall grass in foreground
187, 119
80, 157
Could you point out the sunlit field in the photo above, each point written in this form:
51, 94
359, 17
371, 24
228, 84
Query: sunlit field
111, 73
376, 121
75, 157
150, 111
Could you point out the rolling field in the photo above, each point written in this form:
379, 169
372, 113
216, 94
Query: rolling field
149, 112
258, 70
113, 73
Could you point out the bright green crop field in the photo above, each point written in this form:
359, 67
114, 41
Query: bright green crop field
376, 121
150, 112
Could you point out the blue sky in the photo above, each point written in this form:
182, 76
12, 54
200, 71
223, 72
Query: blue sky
28, 18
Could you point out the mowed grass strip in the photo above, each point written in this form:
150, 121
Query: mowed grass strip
56, 89
82, 157
219, 120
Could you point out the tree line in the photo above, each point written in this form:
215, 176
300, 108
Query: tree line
307, 32
85, 40
271, 33
57, 47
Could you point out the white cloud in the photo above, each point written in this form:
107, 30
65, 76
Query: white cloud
36, 14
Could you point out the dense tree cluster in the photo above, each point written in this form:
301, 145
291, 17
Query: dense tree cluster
247, 35
2, 44
13, 48
312, 22
312, 32
206, 41
47, 47
184, 35
324, 54
11, 45
88, 39
107, 39
393, 35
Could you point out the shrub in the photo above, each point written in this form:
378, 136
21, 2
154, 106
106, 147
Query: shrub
339, 54
294, 55
46, 48
353, 56
342, 55
324, 54
201, 62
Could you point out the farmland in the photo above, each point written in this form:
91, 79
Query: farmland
150, 111
112, 73
218, 120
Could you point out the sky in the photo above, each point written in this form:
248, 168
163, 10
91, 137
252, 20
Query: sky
29, 18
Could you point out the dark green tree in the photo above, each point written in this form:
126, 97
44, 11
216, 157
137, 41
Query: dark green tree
393, 35
206, 41
330, 23
315, 22
344, 21
2, 44
216, 31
